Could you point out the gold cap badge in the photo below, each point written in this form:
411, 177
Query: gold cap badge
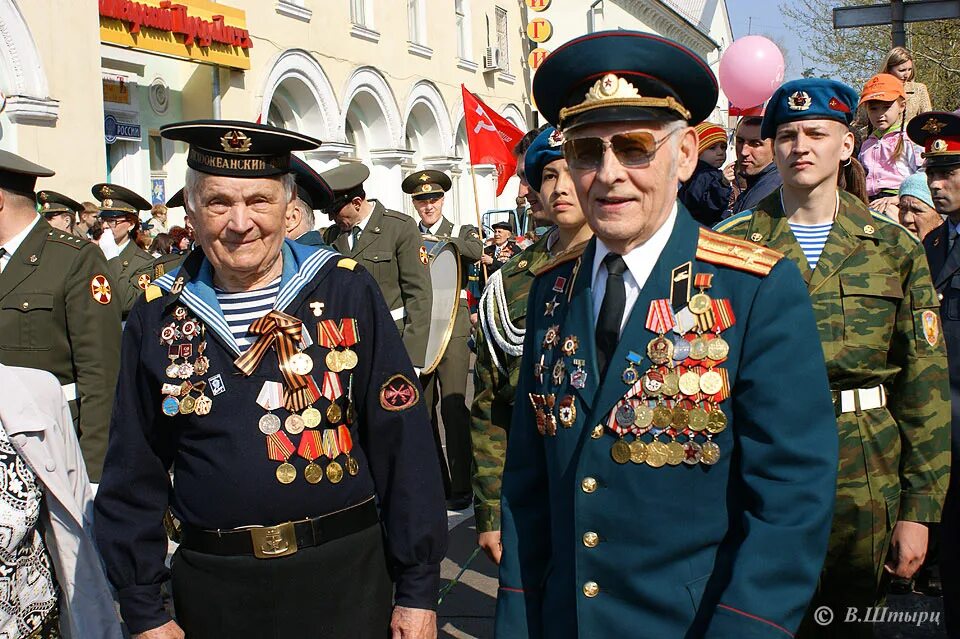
236, 142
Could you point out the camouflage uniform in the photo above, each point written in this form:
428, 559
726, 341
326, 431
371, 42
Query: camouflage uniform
495, 382
876, 312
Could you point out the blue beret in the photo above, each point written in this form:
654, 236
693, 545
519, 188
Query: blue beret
809, 99
546, 148
613, 76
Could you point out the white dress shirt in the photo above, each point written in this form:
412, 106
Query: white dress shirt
640, 262
432, 230
363, 226
14, 243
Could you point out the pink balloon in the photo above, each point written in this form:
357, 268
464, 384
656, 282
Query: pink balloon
751, 69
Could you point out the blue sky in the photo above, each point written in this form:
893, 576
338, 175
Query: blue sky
763, 17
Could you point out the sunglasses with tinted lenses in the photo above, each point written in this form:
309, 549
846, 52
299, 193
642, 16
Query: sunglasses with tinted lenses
632, 149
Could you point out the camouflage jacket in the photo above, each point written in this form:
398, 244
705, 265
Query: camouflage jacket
495, 382
876, 312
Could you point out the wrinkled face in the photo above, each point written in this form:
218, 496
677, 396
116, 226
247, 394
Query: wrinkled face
902, 71
501, 236
919, 218
624, 205
62, 221
809, 152
716, 155
753, 152
239, 222
884, 113
429, 209
559, 195
944, 183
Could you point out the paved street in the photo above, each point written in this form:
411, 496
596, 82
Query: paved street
466, 611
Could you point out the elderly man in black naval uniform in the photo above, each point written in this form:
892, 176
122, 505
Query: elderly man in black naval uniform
269, 375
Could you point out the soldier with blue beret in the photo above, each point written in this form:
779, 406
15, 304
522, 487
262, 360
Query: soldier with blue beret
269, 376
673, 432
876, 311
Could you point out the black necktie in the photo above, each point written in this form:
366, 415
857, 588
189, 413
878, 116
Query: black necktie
611, 310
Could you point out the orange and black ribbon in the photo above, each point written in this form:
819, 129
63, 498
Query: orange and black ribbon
282, 332
279, 446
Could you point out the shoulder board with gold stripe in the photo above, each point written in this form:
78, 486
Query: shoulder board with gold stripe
717, 248
152, 292
347, 263
67, 239
571, 253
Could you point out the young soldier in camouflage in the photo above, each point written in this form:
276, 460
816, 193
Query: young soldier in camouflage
503, 311
876, 310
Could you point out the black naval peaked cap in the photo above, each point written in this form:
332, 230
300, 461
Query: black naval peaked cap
346, 177
234, 148
426, 184
176, 200
116, 200
20, 175
311, 187
613, 76
52, 203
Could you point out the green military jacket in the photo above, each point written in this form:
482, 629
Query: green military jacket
158, 267
495, 375
390, 248
126, 269
877, 315
60, 313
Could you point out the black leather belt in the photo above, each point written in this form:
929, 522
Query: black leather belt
269, 542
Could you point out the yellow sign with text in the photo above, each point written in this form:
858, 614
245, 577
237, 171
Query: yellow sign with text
538, 5
539, 30
197, 30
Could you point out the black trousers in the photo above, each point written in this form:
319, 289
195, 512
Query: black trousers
950, 556
339, 589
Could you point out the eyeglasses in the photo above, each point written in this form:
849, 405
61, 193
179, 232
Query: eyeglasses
632, 149
113, 221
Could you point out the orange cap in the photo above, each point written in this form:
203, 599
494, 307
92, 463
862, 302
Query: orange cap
882, 86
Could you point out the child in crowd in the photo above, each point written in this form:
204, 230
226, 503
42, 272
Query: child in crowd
887, 153
707, 193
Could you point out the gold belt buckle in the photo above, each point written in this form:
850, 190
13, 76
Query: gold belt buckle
270, 542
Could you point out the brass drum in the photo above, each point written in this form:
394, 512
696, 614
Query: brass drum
445, 279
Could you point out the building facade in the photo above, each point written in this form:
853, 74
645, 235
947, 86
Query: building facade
87, 84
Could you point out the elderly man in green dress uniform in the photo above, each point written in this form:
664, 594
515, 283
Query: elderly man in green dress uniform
671, 465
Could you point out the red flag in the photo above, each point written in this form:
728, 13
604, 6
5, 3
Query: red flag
491, 138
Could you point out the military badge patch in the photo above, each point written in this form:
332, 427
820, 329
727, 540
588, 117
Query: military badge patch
143, 281
398, 393
799, 101
100, 289
931, 327
424, 258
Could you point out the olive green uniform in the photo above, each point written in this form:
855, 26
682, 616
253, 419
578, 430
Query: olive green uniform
495, 375
390, 248
876, 312
451, 373
125, 269
158, 268
59, 313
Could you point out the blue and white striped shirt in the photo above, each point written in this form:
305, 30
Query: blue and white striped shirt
241, 309
812, 239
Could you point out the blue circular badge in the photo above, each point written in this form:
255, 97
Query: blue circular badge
171, 406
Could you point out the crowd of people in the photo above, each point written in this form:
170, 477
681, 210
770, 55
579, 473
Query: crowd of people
710, 399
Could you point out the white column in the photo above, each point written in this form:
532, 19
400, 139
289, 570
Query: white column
386, 174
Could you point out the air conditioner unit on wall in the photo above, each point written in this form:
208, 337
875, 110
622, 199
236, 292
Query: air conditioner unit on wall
491, 61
